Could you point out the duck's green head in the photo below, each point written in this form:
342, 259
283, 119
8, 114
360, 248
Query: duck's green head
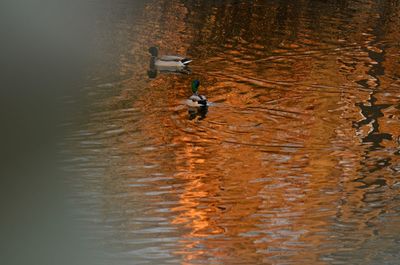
153, 51
195, 86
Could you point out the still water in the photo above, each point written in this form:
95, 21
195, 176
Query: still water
297, 160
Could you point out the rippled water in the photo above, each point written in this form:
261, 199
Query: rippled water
297, 160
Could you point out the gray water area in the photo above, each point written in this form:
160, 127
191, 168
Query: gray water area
297, 161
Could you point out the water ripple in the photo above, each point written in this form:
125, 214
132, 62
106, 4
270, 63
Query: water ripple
296, 161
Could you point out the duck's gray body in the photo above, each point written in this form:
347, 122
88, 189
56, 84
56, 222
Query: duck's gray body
196, 101
168, 63
172, 61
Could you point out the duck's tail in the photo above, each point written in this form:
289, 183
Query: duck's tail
185, 61
153, 51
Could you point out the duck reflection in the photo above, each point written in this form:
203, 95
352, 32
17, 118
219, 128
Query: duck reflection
198, 112
167, 64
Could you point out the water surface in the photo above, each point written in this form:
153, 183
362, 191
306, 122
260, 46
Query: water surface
296, 162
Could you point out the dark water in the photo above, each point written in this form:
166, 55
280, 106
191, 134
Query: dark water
297, 160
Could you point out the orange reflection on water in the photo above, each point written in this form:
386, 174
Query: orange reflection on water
295, 162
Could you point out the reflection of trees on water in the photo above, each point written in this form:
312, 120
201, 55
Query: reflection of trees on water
222, 21
375, 170
372, 110
204, 27
247, 23
267, 24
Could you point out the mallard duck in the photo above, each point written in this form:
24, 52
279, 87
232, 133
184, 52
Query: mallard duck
168, 60
196, 100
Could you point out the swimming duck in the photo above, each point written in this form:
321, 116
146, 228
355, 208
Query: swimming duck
196, 100
168, 61
197, 104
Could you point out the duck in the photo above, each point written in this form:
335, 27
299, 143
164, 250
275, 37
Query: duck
168, 61
196, 100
